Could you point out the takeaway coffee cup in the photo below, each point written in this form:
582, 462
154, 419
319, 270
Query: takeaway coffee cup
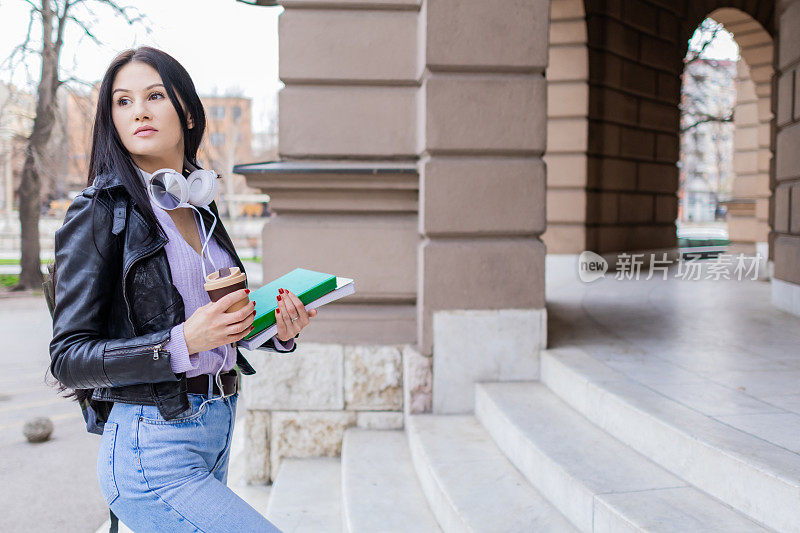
224, 281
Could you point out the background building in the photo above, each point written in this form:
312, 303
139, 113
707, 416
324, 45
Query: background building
706, 165
436, 151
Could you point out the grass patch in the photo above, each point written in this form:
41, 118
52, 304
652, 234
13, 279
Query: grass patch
251, 259
13, 261
9, 280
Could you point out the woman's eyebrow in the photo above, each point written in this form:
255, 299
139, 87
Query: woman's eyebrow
146, 88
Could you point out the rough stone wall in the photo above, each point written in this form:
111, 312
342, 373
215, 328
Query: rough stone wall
299, 405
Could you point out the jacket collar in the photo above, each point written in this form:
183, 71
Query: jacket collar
113, 180
107, 181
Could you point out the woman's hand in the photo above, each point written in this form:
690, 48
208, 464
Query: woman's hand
211, 326
289, 307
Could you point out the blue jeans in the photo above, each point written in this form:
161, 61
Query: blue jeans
170, 475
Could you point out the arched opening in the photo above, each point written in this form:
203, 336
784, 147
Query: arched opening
725, 134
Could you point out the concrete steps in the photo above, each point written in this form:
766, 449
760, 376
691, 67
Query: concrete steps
469, 483
755, 477
597, 482
380, 489
585, 449
306, 496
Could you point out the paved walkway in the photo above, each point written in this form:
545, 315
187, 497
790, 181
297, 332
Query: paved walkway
50, 486
718, 347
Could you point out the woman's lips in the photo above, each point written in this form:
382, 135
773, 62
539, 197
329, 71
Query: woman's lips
146, 133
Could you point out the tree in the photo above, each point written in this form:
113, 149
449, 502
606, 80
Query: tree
696, 106
54, 16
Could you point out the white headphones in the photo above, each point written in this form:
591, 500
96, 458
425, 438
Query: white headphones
169, 189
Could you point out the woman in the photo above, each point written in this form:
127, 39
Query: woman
134, 332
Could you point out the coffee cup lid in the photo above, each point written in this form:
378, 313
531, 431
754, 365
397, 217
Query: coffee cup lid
223, 277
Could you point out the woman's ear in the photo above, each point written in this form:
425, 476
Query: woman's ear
189, 121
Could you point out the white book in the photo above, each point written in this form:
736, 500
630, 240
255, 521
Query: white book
344, 287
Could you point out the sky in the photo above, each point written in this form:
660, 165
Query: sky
722, 47
225, 45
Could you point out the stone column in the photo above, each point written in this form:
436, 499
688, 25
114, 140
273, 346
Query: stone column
482, 123
345, 190
345, 200
786, 183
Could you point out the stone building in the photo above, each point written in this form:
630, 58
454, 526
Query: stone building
436, 151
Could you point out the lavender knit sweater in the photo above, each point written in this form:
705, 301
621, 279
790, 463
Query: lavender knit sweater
187, 276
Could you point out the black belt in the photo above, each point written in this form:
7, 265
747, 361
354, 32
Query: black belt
199, 384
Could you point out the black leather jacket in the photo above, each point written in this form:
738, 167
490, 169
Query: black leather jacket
113, 313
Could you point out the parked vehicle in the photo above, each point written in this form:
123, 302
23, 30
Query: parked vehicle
702, 242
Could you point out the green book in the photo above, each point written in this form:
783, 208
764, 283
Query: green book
307, 285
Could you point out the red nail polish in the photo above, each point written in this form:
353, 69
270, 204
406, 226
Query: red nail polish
277, 311
280, 291
247, 291
279, 298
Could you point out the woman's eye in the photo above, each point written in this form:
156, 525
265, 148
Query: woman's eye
123, 99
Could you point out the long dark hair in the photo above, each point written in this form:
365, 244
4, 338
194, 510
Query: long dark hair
110, 157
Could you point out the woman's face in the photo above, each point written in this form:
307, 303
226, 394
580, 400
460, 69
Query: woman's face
139, 100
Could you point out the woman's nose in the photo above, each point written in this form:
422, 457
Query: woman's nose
141, 112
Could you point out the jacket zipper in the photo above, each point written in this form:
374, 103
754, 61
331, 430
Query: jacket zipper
125, 283
138, 349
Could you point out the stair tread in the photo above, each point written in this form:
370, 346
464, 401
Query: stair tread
760, 453
561, 451
754, 476
380, 489
470, 483
306, 495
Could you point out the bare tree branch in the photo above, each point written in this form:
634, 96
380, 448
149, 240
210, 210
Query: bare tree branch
34, 6
73, 79
61, 24
22, 48
85, 29
705, 27
706, 119
123, 11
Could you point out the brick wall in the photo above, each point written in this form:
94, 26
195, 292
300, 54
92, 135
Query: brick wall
635, 63
636, 51
786, 210
567, 128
